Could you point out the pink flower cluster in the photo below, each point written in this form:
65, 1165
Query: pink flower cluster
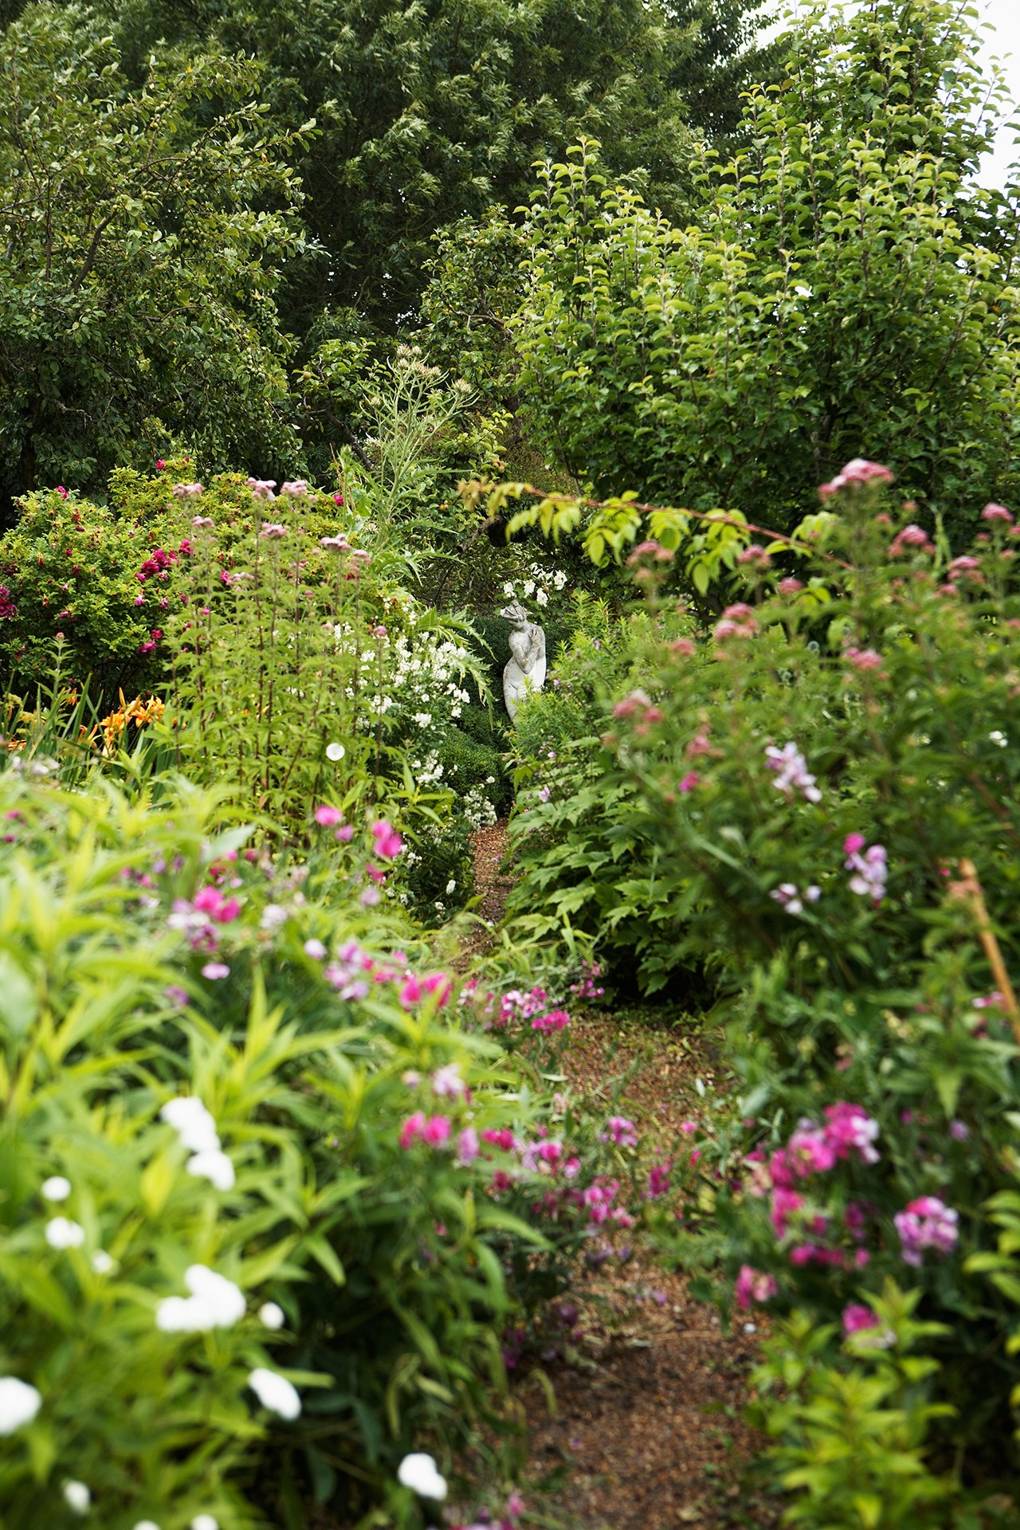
792, 774
638, 704
789, 896
910, 536
753, 1286
532, 1007
926, 1223
159, 562
354, 972
587, 985
869, 867
737, 621
199, 918
859, 473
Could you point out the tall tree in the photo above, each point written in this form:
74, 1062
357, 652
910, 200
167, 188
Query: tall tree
142, 235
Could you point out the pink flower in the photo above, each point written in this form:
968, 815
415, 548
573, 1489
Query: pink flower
388, 843
467, 1146
789, 586
910, 536
688, 782
684, 647
61, 491
926, 1223
857, 474
754, 554
792, 773
436, 1131
849, 1128
620, 1131
412, 1128
447, 1082
995, 512
326, 815
870, 872
272, 531
658, 1179
369, 897
215, 970
737, 621
345, 833
783, 1205
863, 658
753, 1286
555, 1020
809, 1152
410, 992
857, 1318
295, 487
262, 488
853, 844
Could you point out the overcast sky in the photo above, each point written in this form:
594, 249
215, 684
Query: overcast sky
1004, 16
1003, 38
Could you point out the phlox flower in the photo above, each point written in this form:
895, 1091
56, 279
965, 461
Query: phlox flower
658, 1180
870, 870
926, 1223
620, 1131
214, 971
791, 771
446, 1081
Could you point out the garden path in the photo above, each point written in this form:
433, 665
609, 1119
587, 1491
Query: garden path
648, 1431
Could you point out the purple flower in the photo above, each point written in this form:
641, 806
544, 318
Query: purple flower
870, 869
621, 1131
926, 1223
792, 773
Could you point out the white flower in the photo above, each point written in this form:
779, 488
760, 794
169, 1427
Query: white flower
271, 1315
542, 598
451, 885
508, 589
62, 1233
102, 1262
335, 751
19, 1404
146, 1524
803, 292
205, 1522
214, 1166
999, 738
56, 1188
273, 916
77, 1497
215, 1302
275, 1393
420, 1473
192, 1123
529, 586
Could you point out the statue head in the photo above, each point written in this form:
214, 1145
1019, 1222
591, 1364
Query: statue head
516, 614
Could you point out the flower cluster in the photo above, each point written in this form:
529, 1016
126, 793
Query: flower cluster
537, 584
868, 864
857, 474
196, 1131
926, 1223
792, 774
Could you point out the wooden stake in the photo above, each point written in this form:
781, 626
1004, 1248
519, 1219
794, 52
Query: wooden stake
969, 889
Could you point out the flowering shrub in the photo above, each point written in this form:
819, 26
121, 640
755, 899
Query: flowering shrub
811, 815
234, 1126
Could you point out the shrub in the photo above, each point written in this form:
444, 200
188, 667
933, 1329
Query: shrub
800, 800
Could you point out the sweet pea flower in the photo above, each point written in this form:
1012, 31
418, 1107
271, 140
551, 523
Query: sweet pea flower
467, 1146
214, 971
857, 1318
436, 1131
388, 843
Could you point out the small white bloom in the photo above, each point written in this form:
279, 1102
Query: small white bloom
215, 1166
62, 1233
275, 1393
542, 598
146, 1524
996, 737
215, 1302
451, 885
77, 1497
508, 588
102, 1262
803, 292
335, 751
205, 1522
19, 1403
419, 1472
273, 916
192, 1123
271, 1315
56, 1188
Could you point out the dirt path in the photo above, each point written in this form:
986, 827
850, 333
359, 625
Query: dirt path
648, 1432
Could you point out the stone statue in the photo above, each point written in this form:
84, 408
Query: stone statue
524, 671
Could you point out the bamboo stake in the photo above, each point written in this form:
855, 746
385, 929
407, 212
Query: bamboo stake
969, 890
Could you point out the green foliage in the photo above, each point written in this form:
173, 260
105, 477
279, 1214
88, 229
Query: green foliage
143, 235
845, 286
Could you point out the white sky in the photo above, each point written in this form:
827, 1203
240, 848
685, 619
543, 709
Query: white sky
1002, 38
1004, 16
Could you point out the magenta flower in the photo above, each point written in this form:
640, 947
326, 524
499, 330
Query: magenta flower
870, 869
784, 1204
688, 782
436, 1131
326, 815
620, 1131
658, 1179
926, 1223
849, 1128
412, 1129
555, 1020
388, 843
753, 1286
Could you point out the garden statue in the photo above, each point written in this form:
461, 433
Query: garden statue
524, 671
